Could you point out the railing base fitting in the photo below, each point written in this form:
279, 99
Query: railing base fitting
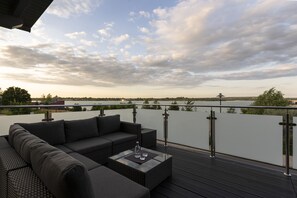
288, 175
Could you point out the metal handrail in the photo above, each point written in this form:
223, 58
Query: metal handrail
49, 106
137, 104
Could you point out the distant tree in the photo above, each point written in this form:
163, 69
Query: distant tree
174, 106
271, 97
146, 104
156, 105
16, 96
231, 110
189, 105
46, 100
76, 107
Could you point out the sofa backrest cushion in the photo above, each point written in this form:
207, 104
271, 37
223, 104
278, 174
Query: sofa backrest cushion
22, 141
108, 124
81, 129
51, 132
63, 175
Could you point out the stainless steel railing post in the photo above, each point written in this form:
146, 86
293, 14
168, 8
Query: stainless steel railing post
48, 116
134, 113
212, 131
286, 126
102, 112
165, 115
287, 172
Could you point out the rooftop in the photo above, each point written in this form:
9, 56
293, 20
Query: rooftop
21, 14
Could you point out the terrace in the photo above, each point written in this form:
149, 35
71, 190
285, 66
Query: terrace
214, 154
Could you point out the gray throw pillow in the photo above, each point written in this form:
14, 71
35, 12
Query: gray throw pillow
51, 132
81, 129
108, 124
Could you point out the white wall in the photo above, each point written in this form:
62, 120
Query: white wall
250, 136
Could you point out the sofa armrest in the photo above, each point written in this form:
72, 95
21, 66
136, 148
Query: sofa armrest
132, 128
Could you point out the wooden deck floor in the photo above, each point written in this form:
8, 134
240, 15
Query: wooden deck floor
195, 174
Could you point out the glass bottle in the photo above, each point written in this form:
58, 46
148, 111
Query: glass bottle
142, 157
137, 150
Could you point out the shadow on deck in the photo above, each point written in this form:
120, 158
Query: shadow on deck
195, 174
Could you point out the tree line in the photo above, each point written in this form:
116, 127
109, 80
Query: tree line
19, 96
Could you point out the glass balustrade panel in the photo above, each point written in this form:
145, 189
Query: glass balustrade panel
152, 119
186, 128
6, 121
189, 128
255, 137
295, 143
125, 114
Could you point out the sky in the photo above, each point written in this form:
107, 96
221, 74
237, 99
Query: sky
156, 48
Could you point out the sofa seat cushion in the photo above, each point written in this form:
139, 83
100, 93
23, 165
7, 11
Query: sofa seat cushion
51, 132
120, 137
64, 148
108, 124
89, 145
81, 129
90, 164
107, 183
63, 175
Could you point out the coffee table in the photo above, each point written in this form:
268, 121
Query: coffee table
149, 174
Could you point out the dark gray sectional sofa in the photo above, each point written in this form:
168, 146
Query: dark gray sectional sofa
63, 159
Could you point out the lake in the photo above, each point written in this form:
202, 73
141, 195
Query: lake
231, 103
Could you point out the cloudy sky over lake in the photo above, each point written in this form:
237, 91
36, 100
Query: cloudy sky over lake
156, 48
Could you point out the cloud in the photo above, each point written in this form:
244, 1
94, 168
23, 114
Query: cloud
223, 36
67, 65
138, 15
75, 35
132, 14
118, 40
88, 43
105, 33
67, 8
225, 40
144, 14
278, 71
143, 30
24, 57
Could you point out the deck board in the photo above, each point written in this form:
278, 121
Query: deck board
195, 174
